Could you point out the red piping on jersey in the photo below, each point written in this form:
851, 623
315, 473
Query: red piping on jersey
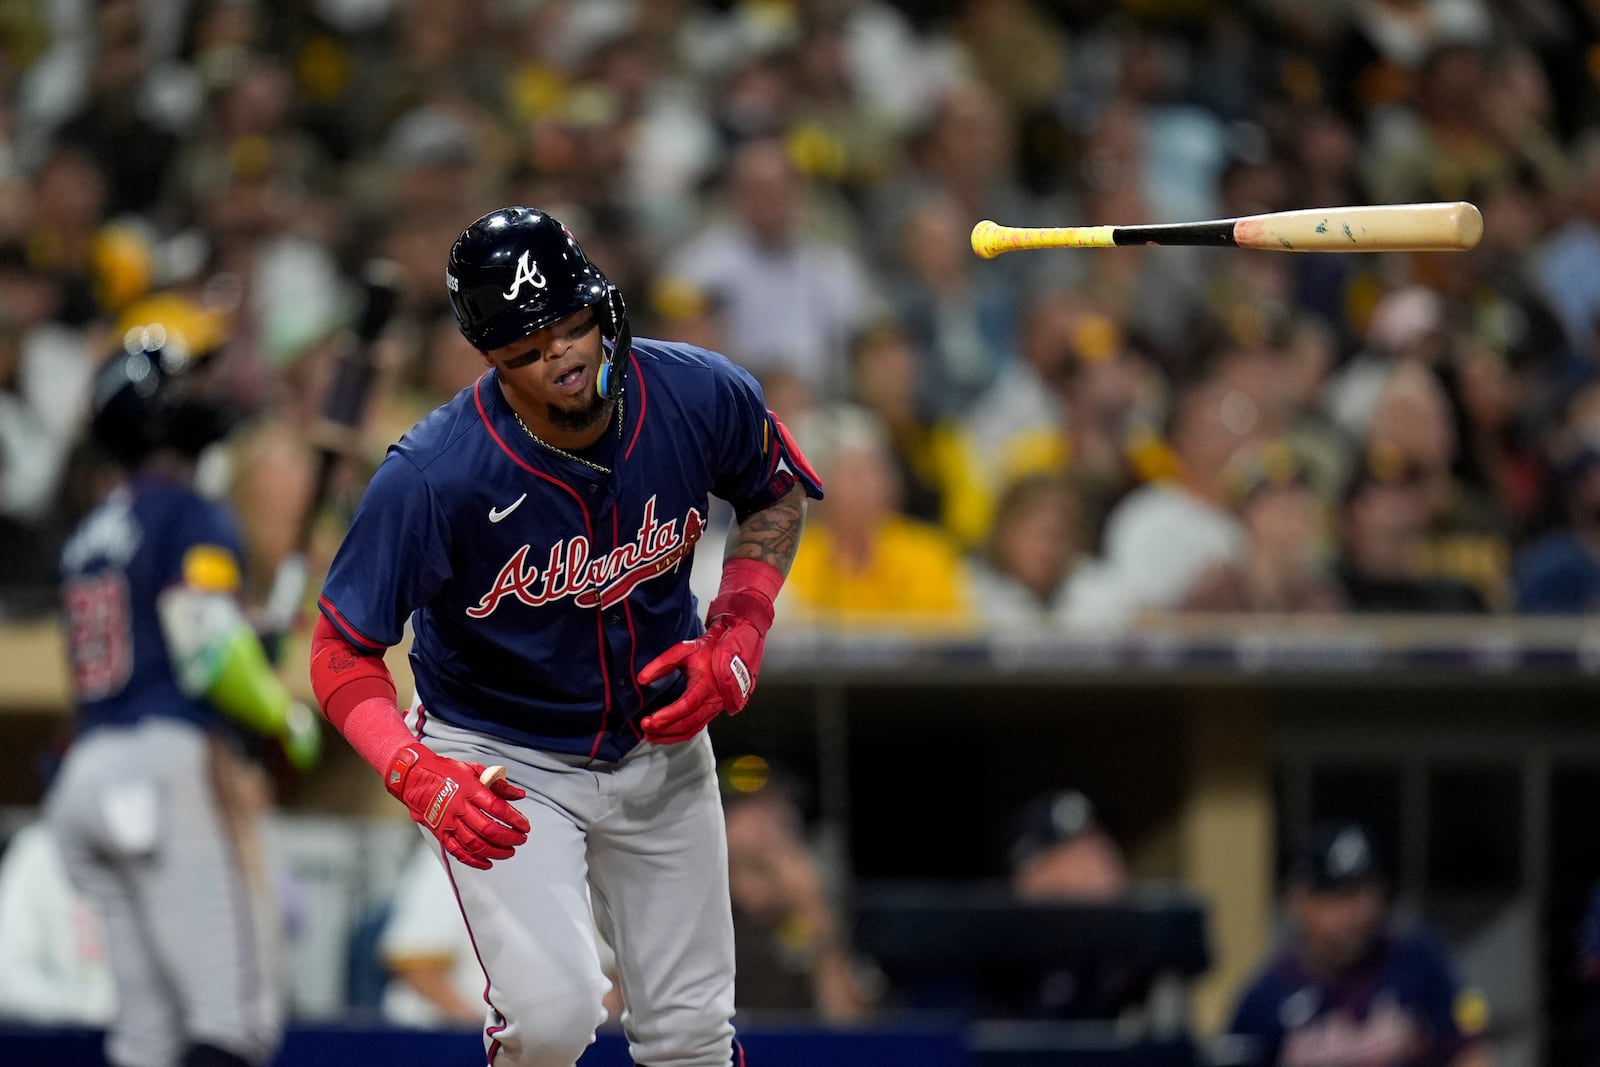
588, 529
633, 644
633, 669
422, 715
605, 680
638, 423
351, 634
477, 398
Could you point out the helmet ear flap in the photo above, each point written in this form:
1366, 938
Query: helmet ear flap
613, 315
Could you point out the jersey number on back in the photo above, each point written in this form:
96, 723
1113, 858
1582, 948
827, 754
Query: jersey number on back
99, 637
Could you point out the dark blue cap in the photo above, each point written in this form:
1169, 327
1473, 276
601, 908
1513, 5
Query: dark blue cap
1335, 855
1049, 821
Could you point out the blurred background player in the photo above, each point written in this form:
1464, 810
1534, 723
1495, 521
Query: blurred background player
156, 812
1352, 988
1061, 852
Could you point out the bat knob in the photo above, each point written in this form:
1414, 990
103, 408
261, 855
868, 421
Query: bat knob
491, 775
983, 239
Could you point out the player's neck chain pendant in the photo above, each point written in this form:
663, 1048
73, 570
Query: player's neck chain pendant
542, 443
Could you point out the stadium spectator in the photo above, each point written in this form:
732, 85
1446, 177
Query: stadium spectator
45, 369
1559, 574
1383, 527
965, 148
1566, 261
1408, 324
1437, 146
1467, 526
1075, 398
1283, 567
960, 318
792, 948
1023, 578
1162, 537
861, 562
934, 459
792, 299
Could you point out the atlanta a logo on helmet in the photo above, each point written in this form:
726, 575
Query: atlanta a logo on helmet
527, 271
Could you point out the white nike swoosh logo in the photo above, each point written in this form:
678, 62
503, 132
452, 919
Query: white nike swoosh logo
496, 514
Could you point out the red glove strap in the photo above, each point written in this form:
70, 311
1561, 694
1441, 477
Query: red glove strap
749, 589
394, 781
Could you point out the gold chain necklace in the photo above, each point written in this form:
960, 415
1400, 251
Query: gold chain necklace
563, 452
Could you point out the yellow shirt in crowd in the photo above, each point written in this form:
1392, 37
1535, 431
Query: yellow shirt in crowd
915, 577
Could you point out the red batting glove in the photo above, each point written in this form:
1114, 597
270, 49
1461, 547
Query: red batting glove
722, 663
473, 821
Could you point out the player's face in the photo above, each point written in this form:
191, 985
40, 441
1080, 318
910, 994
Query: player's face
554, 370
1338, 925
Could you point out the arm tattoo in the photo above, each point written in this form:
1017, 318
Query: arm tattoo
772, 534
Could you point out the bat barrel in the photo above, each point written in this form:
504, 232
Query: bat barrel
1441, 227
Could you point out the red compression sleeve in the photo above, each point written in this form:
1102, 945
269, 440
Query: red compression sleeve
357, 696
749, 589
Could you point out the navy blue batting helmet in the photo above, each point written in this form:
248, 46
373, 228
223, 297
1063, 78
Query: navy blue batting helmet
143, 398
517, 270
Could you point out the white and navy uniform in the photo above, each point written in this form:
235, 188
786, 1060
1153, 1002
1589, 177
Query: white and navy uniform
144, 828
537, 587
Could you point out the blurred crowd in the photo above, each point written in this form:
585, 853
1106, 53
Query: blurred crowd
1049, 438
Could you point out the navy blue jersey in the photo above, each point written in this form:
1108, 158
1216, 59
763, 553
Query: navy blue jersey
1397, 1008
143, 538
537, 586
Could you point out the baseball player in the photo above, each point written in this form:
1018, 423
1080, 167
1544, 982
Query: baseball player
537, 532
1354, 987
151, 808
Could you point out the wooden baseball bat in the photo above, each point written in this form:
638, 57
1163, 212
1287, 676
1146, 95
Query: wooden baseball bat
491, 775
1444, 227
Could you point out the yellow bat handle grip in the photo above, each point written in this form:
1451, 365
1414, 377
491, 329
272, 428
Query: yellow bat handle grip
989, 238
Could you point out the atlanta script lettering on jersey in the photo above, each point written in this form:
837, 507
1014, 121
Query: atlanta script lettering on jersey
601, 581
